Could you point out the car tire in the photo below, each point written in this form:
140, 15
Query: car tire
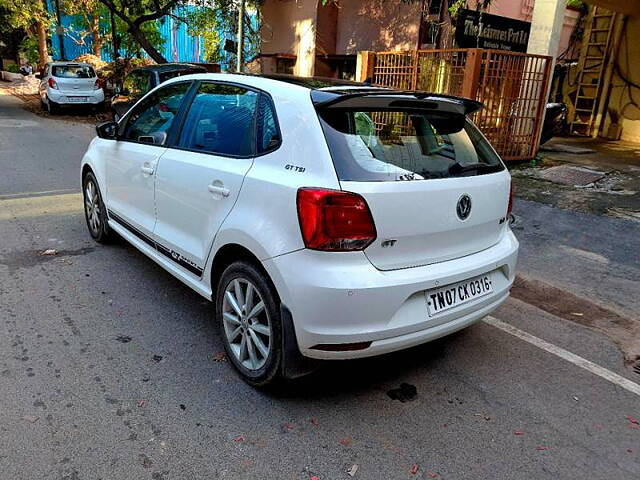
52, 107
95, 212
252, 341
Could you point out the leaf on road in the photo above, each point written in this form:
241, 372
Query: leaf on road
431, 474
414, 469
239, 439
352, 470
315, 422
541, 447
346, 441
49, 252
141, 403
286, 427
633, 420
30, 418
518, 432
219, 357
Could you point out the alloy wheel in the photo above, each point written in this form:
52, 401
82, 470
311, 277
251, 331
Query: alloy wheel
246, 323
92, 206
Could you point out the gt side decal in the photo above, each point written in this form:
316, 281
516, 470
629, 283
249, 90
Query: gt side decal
294, 168
167, 252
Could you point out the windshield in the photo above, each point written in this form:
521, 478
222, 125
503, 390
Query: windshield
371, 146
73, 71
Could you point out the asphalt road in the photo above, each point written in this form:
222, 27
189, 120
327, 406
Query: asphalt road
107, 366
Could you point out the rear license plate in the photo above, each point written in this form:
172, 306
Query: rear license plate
77, 99
457, 294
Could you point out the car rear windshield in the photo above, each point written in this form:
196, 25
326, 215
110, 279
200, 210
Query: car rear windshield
164, 76
385, 146
73, 71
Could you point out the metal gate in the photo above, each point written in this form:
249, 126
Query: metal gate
512, 86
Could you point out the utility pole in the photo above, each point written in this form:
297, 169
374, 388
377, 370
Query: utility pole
60, 31
240, 36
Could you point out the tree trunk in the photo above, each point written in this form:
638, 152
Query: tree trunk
146, 44
97, 38
43, 52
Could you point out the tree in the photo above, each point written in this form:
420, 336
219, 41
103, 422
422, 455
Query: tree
215, 20
33, 17
137, 13
86, 22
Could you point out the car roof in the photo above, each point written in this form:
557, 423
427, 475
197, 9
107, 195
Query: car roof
325, 91
75, 64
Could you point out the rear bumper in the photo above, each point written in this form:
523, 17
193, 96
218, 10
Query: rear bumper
338, 298
89, 97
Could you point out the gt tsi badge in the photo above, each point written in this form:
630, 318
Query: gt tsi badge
463, 208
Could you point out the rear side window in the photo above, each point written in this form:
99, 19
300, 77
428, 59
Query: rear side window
220, 121
370, 146
268, 135
73, 71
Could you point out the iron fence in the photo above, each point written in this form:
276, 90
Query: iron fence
512, 86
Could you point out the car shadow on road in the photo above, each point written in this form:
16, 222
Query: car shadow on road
353, 377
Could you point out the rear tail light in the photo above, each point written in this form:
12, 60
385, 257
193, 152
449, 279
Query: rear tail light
334, 220
98, 84
52, 84
510, 207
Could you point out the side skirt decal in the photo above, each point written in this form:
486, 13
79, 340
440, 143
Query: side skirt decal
167, 252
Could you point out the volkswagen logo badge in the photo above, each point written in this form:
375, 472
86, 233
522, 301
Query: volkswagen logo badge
464, 207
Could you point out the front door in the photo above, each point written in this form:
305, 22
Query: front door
199, 181
132, 160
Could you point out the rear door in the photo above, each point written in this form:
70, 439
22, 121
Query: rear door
199, 178
436, 189
74, 79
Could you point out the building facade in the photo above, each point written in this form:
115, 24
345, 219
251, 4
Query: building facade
309, 37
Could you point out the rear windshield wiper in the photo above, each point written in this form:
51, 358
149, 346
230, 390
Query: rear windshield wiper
457, 168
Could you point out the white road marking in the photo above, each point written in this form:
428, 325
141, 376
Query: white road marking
565, 355
38, 194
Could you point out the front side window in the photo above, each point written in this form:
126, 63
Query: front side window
151, 120
405, 145
73, 71
136, 83
220, 121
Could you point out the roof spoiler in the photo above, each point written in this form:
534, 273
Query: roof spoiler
383, 99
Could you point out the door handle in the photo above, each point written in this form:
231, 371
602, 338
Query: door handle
218, 189
147, 170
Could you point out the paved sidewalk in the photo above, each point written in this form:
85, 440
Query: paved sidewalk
583, 174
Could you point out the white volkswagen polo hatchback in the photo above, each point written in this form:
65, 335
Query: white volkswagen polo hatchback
325, 220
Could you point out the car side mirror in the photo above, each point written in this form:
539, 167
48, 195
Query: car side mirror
108, 130
38, 76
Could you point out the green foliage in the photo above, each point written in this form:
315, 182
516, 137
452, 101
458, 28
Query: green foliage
23, 14
129, 47
455, 7
575, 3
29, 48
204, 22
13, 68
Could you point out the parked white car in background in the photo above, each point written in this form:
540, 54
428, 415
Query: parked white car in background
69, 84
324, 220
